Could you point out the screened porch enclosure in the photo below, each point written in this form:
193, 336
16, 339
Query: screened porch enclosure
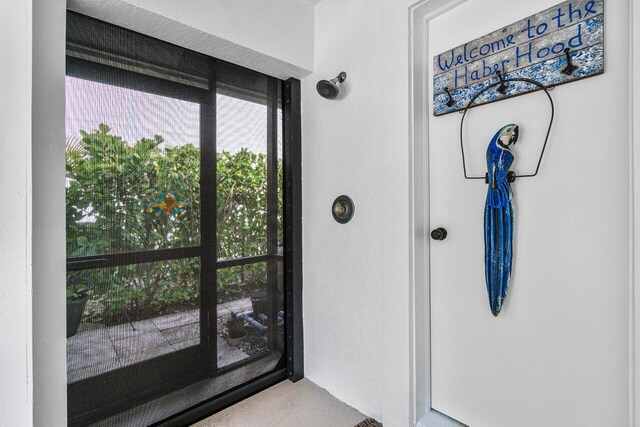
175, 219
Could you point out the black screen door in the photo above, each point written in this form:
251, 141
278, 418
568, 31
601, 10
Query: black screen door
175, 226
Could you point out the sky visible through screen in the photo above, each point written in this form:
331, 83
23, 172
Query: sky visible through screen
134, 115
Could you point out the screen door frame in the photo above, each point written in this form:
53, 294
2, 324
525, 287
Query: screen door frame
182, 367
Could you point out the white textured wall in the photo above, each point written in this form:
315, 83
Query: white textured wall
356, 276
342, 155
48, 214
274, 37
15, 183
32, 229
32, 279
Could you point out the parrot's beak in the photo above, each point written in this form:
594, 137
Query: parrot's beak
514, 137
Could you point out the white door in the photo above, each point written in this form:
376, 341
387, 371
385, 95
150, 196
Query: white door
557, 355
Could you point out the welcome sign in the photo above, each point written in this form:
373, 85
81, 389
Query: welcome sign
538, 47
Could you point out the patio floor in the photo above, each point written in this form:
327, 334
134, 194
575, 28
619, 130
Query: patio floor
96, 351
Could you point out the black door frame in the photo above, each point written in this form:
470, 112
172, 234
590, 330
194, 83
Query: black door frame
186, 366
293, 227
147, 379
292, 365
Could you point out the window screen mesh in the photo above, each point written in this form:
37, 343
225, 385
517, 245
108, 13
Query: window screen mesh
174, 226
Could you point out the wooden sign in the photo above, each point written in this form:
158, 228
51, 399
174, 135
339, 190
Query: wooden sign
540, 47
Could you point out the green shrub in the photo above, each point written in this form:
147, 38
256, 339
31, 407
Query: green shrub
116, 203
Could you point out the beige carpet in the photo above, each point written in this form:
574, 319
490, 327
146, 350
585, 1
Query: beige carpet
287, 405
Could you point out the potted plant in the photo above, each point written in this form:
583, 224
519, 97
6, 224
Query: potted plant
77, 297
235, 326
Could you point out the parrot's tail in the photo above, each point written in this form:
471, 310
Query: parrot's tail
498, 245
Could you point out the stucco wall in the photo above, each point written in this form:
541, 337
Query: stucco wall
15, 283
356, 276
274, 37
356, 296
32, 283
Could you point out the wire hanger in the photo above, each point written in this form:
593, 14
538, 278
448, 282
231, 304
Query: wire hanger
502, 88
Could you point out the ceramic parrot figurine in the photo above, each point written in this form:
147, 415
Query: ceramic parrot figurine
498, 217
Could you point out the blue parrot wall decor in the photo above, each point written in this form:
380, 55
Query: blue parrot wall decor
498, 217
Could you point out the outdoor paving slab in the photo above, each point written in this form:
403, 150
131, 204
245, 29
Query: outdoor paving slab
139, 356
222, 311
127, 330
97, 368
184, 344
85, 356
227, 354
238, 305
90, 353
173, 320
144, 343
83, 339
88, 348
98, 350
182, 333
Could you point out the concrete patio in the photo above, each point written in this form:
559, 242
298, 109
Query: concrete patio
95, 351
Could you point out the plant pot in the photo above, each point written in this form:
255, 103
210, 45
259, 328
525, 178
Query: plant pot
259, 304
75, 309
237, 340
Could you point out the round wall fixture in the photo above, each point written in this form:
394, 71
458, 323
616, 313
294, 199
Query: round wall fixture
343, 209
329, 88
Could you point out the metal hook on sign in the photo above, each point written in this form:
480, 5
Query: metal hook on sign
450, 103
570, 68
503, 87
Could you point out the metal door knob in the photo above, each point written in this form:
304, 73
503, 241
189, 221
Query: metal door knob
439, 234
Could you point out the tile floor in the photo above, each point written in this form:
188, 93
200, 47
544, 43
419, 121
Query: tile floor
287, 404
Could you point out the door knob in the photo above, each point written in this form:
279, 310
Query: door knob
439, 234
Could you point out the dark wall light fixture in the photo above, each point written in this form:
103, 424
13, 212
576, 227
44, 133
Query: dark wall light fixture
329, 88
343, 209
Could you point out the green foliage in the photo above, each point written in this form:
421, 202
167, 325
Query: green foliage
106, 183
112, 208
242, 216
76, 291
